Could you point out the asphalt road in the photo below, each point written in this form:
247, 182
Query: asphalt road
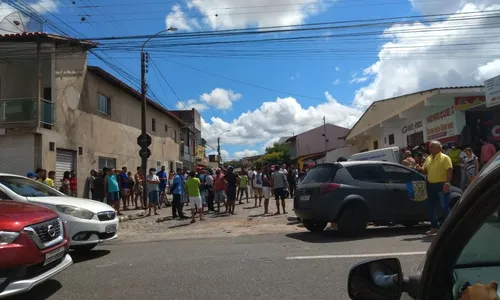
251, 267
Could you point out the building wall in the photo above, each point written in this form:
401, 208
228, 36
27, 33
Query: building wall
79, 124
312, 141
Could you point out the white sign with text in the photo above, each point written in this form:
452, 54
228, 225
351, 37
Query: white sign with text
441, 124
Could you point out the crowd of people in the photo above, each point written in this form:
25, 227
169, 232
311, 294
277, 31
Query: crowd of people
444, 166
67, 185
204, 189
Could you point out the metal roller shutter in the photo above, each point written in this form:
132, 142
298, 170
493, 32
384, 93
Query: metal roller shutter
65, 161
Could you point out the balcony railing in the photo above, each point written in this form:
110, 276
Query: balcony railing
25, 110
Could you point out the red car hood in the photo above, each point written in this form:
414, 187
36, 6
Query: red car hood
14, 216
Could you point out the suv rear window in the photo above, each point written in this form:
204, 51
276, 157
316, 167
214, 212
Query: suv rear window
321, 173
367, 173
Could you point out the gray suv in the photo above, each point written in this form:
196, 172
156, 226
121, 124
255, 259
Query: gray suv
355, 193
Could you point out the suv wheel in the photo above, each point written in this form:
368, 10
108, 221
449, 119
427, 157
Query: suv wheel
352, 221
84, 248
314, 225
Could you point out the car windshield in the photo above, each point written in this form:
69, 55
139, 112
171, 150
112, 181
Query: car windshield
28, 187
321, 173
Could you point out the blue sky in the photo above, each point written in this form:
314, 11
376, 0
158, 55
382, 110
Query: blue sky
240, 94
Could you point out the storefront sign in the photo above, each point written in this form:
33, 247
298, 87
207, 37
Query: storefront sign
441, 124
465, 103
413, 126
492, 90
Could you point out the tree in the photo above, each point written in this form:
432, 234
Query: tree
276, 154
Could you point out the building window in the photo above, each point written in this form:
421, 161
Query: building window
166, 128
103, 104
175, 135
415, 139
153, 124
375, 145
391, 139
107, 162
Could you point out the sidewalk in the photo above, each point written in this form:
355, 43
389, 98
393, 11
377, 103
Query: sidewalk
247, 221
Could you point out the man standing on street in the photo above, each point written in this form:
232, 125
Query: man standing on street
279, 184
209, 187
177, 191
162, 174
256, 183
193, 191
153, 183
266, 188
233, 180
292, 180
251, 173
439, 171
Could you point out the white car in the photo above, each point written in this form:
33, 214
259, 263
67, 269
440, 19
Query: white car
88, 222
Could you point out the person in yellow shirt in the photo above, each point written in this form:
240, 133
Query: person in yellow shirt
439, 170
42, 177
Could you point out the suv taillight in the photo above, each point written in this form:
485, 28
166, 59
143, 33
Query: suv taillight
328, 187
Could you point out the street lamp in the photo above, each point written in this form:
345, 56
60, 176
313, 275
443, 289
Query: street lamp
218, 144
144, 145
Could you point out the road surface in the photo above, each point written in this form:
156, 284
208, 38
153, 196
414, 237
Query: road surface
291, 266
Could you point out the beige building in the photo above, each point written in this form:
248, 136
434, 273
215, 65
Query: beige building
413, 119
60, 114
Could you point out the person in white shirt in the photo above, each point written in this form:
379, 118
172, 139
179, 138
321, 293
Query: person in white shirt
250, 174
256, 183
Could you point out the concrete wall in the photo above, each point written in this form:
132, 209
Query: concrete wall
312, 141
79, 124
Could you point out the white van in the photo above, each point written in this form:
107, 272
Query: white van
391, 154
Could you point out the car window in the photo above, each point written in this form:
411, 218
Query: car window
367, 173
484, 247
321, 173
28, 187
3, 196
396, 174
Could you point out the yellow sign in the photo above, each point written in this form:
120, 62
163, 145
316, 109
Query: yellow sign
464, 103
200, 151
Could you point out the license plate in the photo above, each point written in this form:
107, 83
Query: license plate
304, 198
110, 228
54, 255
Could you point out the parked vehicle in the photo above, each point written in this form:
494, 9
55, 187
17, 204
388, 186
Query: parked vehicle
391, 154
33, 246
88, 222
354, 193
464, 253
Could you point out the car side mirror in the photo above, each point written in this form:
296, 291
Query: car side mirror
380, 279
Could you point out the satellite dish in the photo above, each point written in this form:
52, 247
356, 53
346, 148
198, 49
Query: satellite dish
17, 22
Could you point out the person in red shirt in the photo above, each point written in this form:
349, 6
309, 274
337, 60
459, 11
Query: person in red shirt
220, 185
488, 150
73, 184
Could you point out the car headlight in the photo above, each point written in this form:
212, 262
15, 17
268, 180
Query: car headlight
7, 237
76, 212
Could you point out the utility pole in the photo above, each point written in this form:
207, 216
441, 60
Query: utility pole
218, 150
144, 140
324, 134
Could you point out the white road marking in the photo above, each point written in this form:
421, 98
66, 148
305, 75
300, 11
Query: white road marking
358, 255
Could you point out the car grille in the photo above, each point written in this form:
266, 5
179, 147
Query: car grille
48, 231
106, 216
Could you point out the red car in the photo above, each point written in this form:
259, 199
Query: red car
33, 246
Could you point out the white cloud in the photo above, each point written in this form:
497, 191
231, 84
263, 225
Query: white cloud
296, 76
223, 153
234, 14
272, 120
488, 70
358, 80
245, 153
447, 6
176, 18
191, 104
415, 61
337, 82
337, 69
220, 98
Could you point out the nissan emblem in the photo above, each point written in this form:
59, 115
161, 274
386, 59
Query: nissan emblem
51, 230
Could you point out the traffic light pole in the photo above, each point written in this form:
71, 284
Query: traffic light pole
144, 158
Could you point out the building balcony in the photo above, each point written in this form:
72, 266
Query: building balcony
17, 113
